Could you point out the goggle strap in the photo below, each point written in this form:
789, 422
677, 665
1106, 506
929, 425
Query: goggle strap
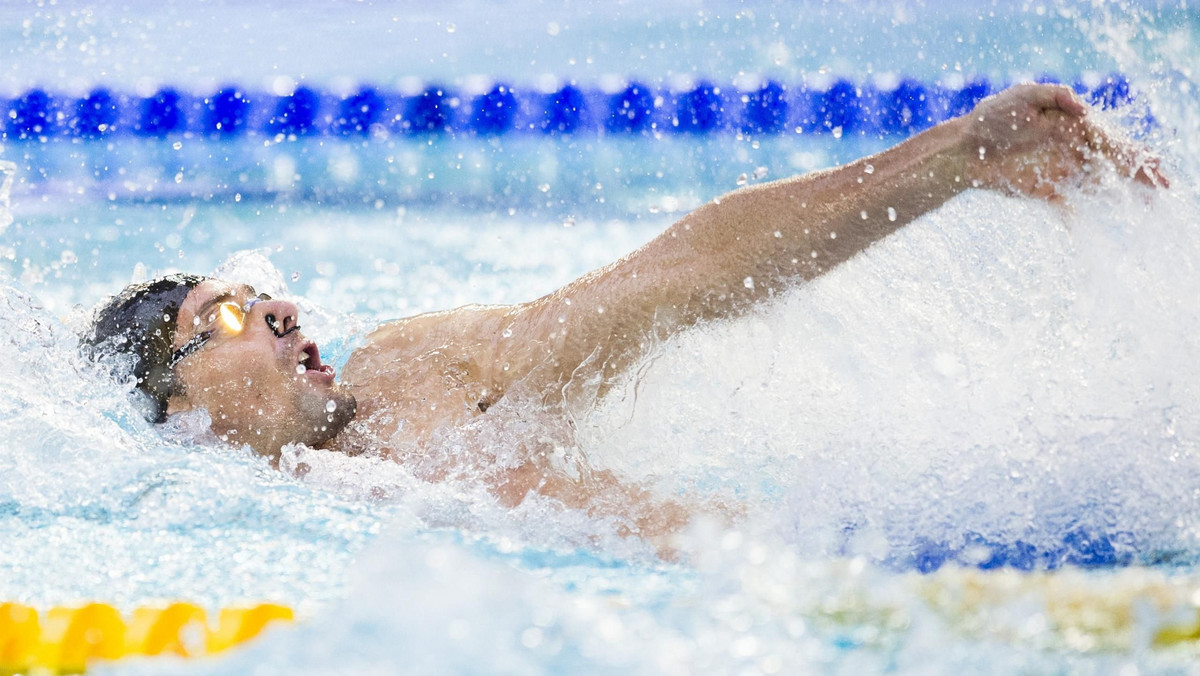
189, 348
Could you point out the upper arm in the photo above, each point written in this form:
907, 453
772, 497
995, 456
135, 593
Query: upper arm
605, 321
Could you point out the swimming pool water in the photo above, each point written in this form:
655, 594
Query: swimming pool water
1001, 383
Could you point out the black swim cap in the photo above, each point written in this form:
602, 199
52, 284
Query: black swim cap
140, 321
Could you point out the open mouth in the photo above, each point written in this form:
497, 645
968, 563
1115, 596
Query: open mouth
309, 359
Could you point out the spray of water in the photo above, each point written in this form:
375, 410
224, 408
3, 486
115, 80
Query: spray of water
1001, 378
7, 171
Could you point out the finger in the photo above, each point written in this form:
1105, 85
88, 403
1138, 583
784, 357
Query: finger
1149, 174
1057, 97
1129, 159
1069, 102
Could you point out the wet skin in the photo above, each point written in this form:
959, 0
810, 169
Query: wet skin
418, 375
265, 386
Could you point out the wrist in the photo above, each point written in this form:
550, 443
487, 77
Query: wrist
961, 154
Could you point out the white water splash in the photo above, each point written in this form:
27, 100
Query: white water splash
8, 171
998, 368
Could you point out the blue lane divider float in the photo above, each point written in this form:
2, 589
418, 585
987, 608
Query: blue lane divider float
844, 107
1081, 547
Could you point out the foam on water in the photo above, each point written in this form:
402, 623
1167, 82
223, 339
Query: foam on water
999, 369
96, 504
1002, 369
1001, 374
91, 512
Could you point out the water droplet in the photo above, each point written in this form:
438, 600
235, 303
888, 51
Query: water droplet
760, 172
891, 213
507, 333
742, 179
330, 406
545, 187
569, 222
450, 28
837, 132
300, 370
295, 276
748, 283
863, 213
869, 169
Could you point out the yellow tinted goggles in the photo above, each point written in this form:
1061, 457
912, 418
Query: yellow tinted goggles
230, 318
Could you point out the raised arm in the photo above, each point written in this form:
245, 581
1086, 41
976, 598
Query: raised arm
748, 245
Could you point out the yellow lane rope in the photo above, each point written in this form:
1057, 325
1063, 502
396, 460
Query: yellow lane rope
64, 640
1114, 611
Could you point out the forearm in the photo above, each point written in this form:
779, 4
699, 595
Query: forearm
635, 510
718, 260
751, 243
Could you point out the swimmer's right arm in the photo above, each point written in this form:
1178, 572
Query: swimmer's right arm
751, 244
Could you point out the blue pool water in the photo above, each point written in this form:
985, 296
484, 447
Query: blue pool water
1002, 386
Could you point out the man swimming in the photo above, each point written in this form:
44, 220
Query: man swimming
212, 344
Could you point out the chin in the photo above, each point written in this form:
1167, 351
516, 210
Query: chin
327, 425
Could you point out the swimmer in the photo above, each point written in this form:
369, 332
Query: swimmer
201, 343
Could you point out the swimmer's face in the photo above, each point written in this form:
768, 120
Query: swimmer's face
264, 385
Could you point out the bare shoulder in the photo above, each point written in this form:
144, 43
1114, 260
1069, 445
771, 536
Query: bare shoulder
461, 333
431, 369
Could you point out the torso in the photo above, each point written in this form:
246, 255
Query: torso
419, 374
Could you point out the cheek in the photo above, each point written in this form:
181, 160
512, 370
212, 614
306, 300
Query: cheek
236, 380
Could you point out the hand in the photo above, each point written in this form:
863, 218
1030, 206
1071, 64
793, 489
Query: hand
1031, 138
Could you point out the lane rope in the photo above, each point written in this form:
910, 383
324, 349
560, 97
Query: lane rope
66, 639
1122, 610
898, 106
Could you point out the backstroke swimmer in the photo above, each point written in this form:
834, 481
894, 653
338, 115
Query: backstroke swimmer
214, 344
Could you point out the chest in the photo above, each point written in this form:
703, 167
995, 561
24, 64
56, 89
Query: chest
410, 393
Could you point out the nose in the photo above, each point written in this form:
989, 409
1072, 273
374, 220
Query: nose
281, 316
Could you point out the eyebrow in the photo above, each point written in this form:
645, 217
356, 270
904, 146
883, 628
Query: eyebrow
222, 298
